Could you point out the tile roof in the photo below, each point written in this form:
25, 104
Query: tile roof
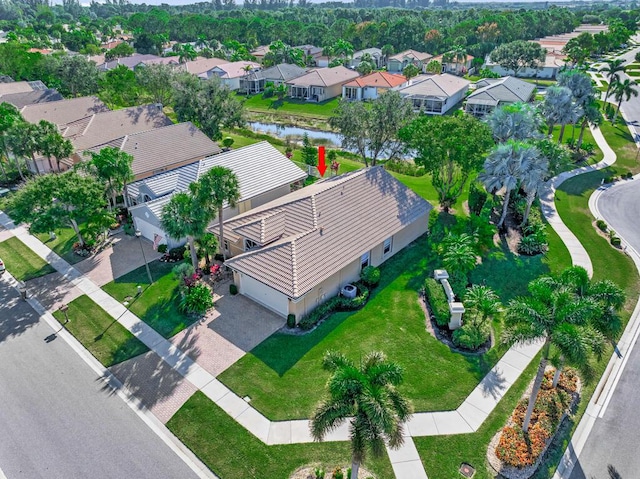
371, 51
440, 86
501, 90
326, 226
412, 54
108, 126
234, 69
379, 79
202, 65
15, 87
325, 77
20, 100
282, 72
440, 57
64, 111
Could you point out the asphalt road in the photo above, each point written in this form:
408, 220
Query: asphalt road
55, 419
611, 451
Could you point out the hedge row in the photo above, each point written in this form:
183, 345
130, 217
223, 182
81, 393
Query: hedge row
337, 303
434, 292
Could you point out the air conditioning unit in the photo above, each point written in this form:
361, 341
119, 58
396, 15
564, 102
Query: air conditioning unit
349, 291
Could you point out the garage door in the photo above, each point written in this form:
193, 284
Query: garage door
263, 294
148, 230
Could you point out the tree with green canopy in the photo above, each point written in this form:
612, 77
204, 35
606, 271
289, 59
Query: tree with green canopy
113, 167
612, 71
9, 117
518, 55
515, 121
624, 90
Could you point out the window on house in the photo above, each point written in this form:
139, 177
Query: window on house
386, 247
364, 261
248, 244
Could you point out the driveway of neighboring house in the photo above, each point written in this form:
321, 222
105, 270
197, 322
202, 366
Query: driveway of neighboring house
235, 326
53, 290
121, 257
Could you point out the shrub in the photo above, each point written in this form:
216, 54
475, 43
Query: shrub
183, 271
533, 245
337, 303
615, 241
458, 282
482, 230
602, 225
177, 254
434, 294
162, 248
197, 299
370, 276
477, 198
404, 167
337, 473
471, 336
233, 289
228, 142
319, 473
291, 321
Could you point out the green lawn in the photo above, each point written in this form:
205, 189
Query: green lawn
21, 262
230, 451
289, 106
62, 245
105, 338
569, 133
158, 304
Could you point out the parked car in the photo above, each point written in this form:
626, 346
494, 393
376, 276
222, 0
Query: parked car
2, 268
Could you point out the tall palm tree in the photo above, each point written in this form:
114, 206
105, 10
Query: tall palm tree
22, 139
624, 90
52, 144
555, 314
612, 72
559, 107
532, 180
183, 217
112, 166
504, 168
592, 116
218, 187
517, 121
367, 396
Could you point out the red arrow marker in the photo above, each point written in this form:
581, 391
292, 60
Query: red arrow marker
322, 167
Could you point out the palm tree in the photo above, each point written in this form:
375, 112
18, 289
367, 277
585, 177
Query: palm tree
504, 167
482, 303
532, 180
9, 116
22, 139
560, 107
52, 143
517, 121
366, 395
612, 72
186, 52
592, 116
458, 253
184, 217
623, 91
112, 166
218, 187
387, 50
555, 314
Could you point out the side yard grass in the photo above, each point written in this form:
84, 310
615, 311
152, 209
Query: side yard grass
158, 304
105, 338
21, 262
290, 106
230, 451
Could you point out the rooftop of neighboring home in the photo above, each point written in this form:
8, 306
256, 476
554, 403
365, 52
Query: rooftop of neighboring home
111, 44
261, 51
312, 233
64, 111
20, 100
412, 55
154, 151
439, 58
557, 42
378, 80
235, 69
501, 90
282, 72
42, 51
439, 86
104, 127
310, 50
371, 51
137, 59
21, 87
202, 65
249, 163
325, 77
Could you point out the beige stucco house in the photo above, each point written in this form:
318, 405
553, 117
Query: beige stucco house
301, 249
321, 84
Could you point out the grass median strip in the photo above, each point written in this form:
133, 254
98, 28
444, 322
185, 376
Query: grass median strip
101, 334
21, 262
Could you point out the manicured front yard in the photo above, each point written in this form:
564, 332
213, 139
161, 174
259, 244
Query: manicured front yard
232, 452
62, 245
291, 107
105, 338
21, 262
158, 304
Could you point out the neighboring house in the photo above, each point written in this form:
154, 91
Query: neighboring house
453, 67
312, 53
302, 249
231, 73
20, 100
264, 174
321, 84
376, 56
63, 111
371, 86
396, 63
202, 67
260, 52
553, 63
255, 81
491, 93
136, 60
435, 94
162, 149
21, 87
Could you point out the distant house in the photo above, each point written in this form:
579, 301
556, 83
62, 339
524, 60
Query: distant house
453, 67
321, 84
312, 53
7, 88
376, 56
20, 100
492, 93
300, 250
63, 111
135, 60
259, 184
397, 62
162, 149
371, 86
553, 63
435, 94
260, 52
255, 81
201, 67
231, 73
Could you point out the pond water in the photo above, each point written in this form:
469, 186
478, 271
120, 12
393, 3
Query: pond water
295, 132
